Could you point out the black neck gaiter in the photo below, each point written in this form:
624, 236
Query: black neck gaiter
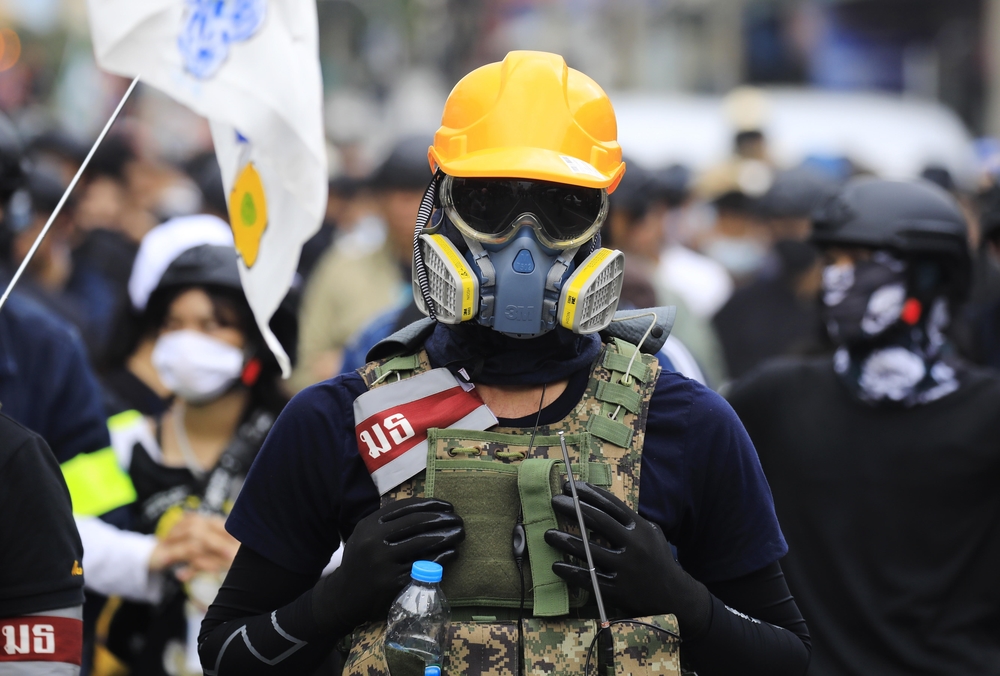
480, 354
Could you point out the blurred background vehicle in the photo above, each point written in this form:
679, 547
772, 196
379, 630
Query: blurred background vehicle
889, 135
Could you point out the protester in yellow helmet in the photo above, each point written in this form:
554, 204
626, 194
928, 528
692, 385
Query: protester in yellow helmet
445, 446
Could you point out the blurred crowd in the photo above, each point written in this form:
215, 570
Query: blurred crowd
728, 247
130, 317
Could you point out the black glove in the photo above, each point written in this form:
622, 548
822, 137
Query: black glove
638, 574
378, 557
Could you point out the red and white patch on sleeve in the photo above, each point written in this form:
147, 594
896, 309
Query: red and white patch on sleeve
41, 638
391, 422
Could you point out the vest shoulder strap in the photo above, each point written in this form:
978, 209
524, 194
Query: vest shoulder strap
623, 382
391, 369
404, 341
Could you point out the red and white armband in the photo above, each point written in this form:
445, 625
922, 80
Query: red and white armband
47, 643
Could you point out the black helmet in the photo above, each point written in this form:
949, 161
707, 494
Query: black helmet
205, 265
39, 195
59, 143
213, 265
406, 167
635, 191
913, 218
673, 184
11, 159
639, 188
795, 193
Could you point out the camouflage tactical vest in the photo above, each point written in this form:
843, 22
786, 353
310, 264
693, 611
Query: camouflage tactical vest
495, 477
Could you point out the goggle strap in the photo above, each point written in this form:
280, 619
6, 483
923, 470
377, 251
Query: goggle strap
423, 218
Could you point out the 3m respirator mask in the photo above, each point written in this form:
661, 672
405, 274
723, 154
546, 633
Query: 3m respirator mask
517, 267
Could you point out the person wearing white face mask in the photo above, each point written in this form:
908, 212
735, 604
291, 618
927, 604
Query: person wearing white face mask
196, 367
126, 368
187, 464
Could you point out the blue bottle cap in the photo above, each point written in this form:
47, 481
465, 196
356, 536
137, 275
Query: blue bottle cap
426, 571
433, 669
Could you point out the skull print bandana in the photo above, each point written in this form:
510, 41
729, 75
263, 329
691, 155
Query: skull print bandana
891, 346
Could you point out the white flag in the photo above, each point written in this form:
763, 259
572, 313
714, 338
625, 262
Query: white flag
252, 68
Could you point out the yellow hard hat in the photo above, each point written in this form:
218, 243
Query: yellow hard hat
533, 117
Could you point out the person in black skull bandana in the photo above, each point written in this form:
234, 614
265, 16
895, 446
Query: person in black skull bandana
883, 460
888, 316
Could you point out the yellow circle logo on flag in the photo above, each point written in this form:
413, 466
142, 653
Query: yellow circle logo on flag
248, 213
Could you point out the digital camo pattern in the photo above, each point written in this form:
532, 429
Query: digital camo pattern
560, 647
481, 649
552, 647
367, 655
555, 645
640, 650
626, 461
475, 649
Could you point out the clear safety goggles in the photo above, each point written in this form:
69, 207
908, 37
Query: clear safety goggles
488, 210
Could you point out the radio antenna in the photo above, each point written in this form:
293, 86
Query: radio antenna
69, 189
608, 649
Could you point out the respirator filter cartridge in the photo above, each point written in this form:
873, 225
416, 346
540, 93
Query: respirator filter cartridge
589, 297
454, 287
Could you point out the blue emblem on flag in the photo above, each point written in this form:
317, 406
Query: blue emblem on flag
211, 26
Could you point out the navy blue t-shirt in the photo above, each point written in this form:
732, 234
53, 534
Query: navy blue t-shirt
700, 480
46, 383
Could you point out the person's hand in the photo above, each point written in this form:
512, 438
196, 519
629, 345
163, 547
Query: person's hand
378, 557
199, 543
637, 573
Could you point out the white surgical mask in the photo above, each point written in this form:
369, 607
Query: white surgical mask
196, 367
741, 256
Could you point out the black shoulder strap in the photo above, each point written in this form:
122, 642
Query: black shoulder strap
404, 341
235, 461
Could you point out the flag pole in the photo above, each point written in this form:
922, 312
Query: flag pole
69, 189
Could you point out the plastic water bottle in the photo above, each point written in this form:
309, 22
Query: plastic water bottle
419, 617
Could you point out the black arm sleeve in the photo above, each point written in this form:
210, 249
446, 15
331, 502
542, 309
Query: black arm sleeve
755, 628
243, 633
